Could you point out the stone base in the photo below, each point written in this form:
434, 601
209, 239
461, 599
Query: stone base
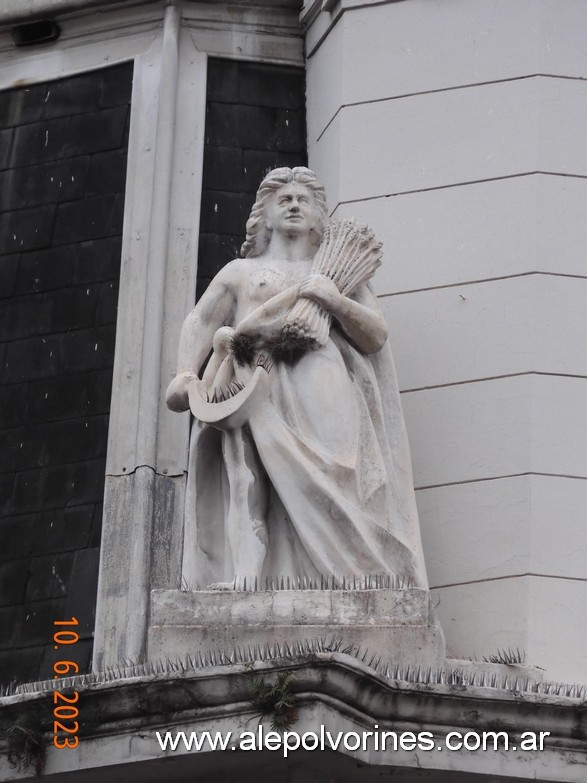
398, 625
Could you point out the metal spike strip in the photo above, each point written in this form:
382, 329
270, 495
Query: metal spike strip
253, 584
394, 672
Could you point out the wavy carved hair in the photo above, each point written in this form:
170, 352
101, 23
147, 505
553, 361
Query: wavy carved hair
258, 234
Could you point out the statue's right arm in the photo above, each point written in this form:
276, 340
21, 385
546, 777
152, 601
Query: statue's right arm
216, 308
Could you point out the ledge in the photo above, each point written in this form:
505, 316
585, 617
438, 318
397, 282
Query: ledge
318, 17
397, 624
18, 11
119, 718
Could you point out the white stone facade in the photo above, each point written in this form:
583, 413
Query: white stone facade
457, 131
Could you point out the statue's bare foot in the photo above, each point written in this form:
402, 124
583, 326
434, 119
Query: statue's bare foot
221, 586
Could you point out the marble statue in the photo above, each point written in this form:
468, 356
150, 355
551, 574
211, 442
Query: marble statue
299, 464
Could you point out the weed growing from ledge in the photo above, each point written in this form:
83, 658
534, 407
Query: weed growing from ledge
275, 700
25, 746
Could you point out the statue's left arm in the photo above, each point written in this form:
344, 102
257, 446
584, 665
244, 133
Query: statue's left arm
358, 317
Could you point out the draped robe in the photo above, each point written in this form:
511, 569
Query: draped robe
323, 463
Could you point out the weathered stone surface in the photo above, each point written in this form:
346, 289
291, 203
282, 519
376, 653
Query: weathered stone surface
367, 608
152, 509
334, 691
398, 624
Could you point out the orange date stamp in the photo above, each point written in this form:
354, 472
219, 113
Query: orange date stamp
65, 725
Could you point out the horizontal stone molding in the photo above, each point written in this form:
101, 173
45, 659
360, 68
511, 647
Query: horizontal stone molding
480, 133
399, 623
395, 49
410, 606
338, 691
503, 528
477, 231
487, 330
320, 16
17, 11
539, 616
501, 427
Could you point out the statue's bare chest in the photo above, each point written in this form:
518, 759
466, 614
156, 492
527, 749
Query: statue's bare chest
268, 280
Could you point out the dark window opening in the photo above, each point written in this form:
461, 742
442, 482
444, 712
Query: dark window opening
255, 121
63, 148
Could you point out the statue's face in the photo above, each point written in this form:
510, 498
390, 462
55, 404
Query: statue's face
291, 210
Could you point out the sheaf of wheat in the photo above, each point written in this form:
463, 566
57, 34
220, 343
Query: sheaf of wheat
349, 254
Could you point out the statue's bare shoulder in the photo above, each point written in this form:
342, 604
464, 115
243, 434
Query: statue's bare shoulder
232, 276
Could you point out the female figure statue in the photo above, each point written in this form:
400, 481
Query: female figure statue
317, 481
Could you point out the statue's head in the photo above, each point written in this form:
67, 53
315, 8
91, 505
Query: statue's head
258, 232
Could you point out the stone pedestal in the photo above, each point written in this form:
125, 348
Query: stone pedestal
397, 624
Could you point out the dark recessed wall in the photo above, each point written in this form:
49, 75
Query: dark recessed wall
255, 121
62, 171
63, 151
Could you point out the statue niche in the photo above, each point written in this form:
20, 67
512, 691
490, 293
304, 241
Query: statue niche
299, 464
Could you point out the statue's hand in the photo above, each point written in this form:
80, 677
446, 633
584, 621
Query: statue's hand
176, 395
322, 290
222, 342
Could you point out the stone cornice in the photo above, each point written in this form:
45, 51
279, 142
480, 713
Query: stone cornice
19, 11
318, 17
332, 689
312, 8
